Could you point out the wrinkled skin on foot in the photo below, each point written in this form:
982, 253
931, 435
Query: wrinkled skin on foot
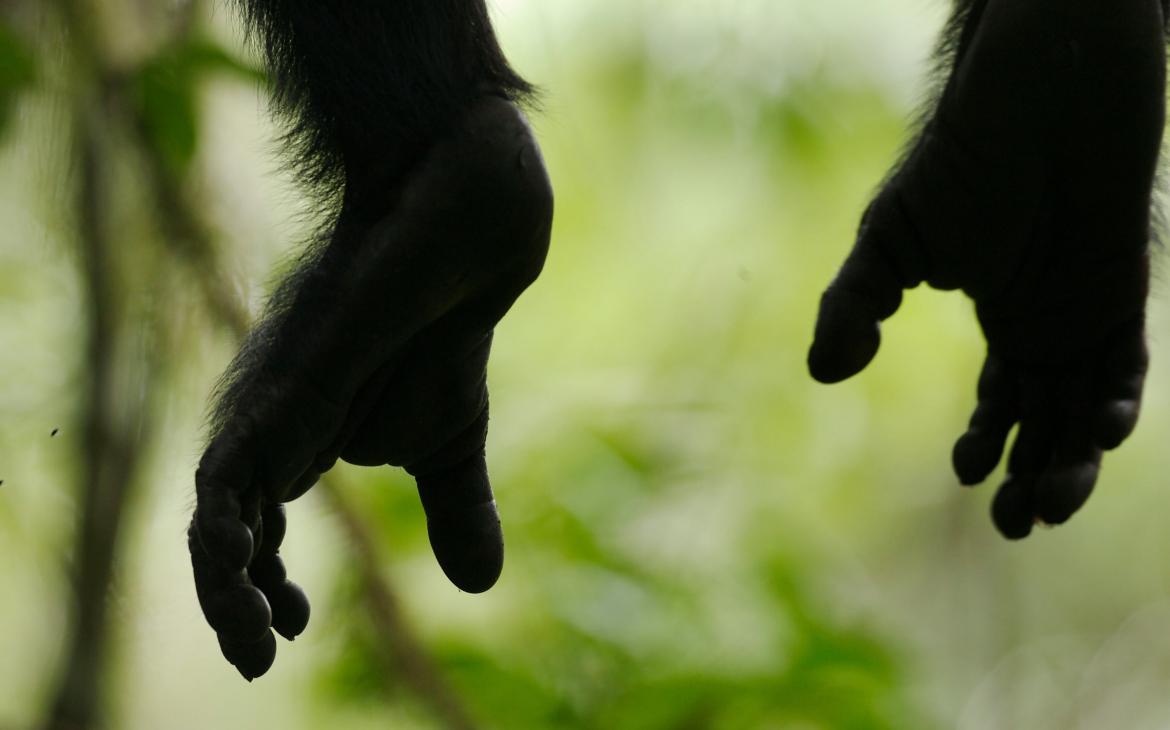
380, 358
1029, 188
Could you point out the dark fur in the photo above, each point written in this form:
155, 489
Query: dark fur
951, 46
376, 80
953, 43
364, 88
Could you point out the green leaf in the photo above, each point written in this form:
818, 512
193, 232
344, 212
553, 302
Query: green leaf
167, 89
206, 56
17, 72
166, 97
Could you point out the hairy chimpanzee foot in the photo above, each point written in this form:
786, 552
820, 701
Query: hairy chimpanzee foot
378, 356
1068, 416
1029, 188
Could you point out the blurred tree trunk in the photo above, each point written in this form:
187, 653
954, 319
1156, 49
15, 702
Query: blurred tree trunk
116, 378
119, 376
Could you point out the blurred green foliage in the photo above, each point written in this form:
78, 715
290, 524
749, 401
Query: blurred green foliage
17, 71
167, 86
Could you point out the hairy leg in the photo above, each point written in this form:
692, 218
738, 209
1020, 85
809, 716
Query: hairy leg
1029, 188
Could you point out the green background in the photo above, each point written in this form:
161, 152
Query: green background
699, 536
